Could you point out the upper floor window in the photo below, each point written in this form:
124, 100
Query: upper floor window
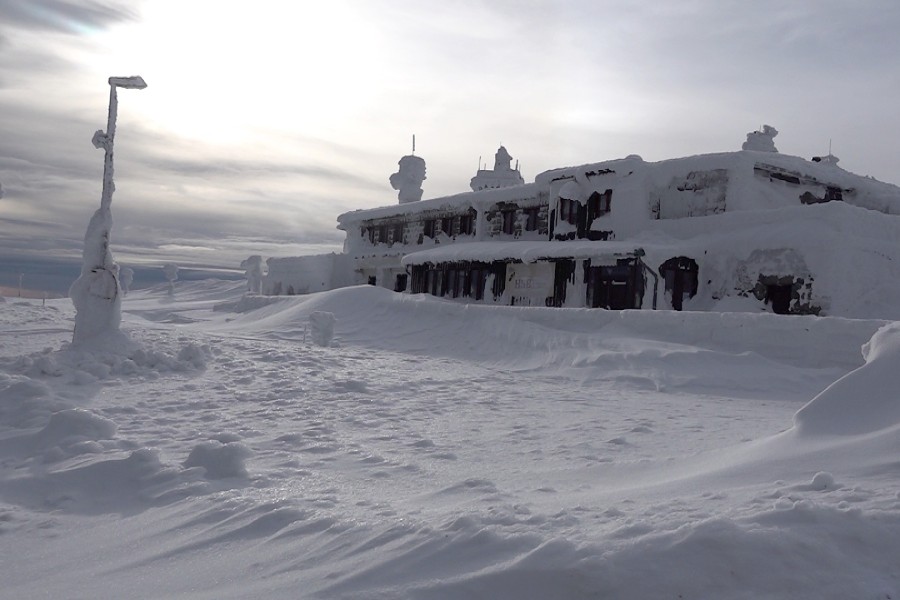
447, 226
598, 204
509, 221
568, 210
531, 218
397, 233
466, 224
429, 227
378, 234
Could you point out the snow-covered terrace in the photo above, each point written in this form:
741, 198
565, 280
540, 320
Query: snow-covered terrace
518, 250
478, 200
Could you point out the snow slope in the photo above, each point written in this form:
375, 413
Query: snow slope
438, 450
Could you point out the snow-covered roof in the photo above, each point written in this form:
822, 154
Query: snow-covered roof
645, 176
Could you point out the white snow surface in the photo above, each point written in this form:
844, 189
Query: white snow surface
436, 450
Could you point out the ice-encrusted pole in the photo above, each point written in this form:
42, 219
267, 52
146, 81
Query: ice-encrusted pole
95, 294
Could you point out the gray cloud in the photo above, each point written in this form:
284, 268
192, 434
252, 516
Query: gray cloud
64, 15
559, 83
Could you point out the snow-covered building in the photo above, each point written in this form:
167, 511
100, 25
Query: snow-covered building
728, 231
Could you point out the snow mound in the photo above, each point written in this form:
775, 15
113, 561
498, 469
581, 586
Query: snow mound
219, 460
113, 485
863, 401
76, 425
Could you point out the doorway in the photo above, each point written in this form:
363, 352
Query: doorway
680, 275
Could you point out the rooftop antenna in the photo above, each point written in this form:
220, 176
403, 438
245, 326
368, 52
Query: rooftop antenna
479, 163
517, 164
414, 145
829, 146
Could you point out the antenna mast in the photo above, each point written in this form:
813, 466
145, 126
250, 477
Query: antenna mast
414, 145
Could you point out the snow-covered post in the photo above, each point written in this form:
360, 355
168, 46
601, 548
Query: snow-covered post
170, 270
126, 276
95, 294
254, 267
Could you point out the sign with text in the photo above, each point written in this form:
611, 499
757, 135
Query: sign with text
530, 280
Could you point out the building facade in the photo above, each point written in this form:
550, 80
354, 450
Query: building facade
698, 233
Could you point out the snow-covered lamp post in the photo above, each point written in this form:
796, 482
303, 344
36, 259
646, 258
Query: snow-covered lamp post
95, 294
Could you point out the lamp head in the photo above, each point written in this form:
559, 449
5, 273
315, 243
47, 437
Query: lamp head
135, 82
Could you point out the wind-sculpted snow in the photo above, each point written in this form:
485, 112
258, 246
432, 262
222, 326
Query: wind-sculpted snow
863, 401
439, 451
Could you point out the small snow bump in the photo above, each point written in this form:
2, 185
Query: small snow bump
219, 460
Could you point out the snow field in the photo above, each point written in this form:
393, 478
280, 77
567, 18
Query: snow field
437, 450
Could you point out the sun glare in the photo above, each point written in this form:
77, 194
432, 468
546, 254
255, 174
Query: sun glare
220, 70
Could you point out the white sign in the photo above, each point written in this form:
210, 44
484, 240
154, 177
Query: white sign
533, 280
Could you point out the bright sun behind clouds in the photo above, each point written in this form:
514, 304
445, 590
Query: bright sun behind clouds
219, 70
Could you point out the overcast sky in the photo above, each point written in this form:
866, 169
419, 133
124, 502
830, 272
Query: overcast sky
264, 120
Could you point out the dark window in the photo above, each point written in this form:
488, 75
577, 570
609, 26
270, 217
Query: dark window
568, 210
447, 226
466, 224
531, 218
428, 228
400, 283
433, 282
477, 277
498, 269
397, 233
419, 279
509, 221
450, 284
599, 204
372, 280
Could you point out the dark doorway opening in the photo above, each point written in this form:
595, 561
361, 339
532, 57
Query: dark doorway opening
616, 287
779, 296
372, 280
400, 283
680, 276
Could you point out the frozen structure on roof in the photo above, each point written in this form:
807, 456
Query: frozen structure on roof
501, 176
761, 141
408, 179
746, 230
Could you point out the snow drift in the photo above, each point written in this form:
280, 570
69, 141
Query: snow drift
436, 450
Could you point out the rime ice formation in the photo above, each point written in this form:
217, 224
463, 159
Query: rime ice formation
761, 141
126, 276
321, 327
828, 159
95, 293
254, 270
408, 179
170, 270
502, 175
